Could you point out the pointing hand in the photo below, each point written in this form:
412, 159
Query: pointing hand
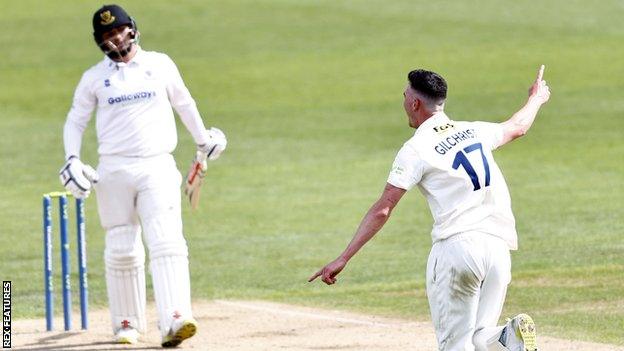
330, 271
539, 91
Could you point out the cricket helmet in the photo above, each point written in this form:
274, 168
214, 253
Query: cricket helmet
110, 17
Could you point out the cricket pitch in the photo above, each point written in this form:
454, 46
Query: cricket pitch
259, 325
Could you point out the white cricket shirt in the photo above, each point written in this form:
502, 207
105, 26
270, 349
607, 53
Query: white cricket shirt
133, 107
452, 164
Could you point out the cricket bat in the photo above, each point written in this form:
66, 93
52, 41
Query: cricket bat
194, 180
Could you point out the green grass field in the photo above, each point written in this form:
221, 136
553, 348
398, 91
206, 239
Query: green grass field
310, 96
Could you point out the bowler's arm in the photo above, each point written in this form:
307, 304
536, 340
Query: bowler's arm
374, 219
370, 225
519, 124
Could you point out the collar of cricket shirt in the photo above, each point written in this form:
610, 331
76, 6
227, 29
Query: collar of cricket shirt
139, 58
437, 118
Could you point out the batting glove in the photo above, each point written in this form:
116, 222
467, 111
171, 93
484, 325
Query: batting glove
213, 148
77, 177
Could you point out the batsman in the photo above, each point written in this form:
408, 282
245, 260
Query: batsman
452, 164
137, 183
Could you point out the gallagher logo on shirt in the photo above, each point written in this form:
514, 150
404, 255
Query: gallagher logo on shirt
131, 98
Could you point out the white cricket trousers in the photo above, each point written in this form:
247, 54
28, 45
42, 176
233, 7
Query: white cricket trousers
135, 195
467, 278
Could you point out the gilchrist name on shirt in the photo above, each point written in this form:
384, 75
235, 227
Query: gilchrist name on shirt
449, 142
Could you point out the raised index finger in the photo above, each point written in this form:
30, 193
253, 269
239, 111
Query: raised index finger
540, 74
315, 275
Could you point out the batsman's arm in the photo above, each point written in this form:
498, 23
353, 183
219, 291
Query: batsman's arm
83, 105
72, 138
183, 103
519, 124
370, 225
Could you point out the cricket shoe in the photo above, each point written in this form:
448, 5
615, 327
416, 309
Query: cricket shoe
127, 335
181, 329
519, 334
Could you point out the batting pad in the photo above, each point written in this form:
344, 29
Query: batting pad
125, 277
172, 289
168, 254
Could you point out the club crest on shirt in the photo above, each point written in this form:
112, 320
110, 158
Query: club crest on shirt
149, 74
397, 169
443, 128
107, 82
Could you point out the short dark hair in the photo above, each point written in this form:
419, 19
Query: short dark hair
428, 83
